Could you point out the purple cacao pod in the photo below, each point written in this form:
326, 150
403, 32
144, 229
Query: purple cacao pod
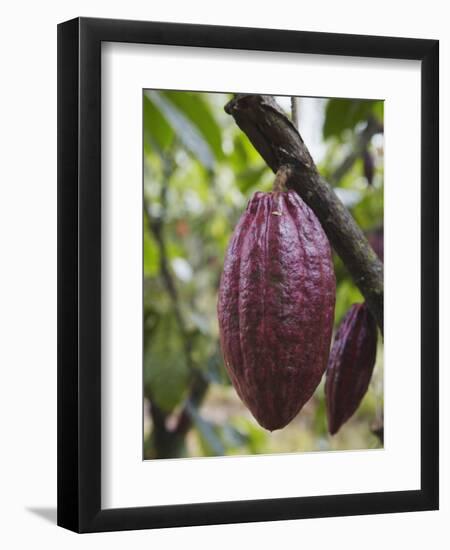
368, 166
350, 365
276, 306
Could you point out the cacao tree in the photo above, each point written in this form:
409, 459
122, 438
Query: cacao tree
200, 171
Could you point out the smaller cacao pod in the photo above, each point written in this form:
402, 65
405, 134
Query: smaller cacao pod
376, 241
368, 166
350, 365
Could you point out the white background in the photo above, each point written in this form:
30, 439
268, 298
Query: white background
28, 274
128, 480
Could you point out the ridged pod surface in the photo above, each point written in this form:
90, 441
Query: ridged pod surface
350, 366
276, 306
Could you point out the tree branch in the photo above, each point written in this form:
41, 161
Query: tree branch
279, 143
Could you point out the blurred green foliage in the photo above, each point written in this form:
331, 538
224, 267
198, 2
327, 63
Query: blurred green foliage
199, 172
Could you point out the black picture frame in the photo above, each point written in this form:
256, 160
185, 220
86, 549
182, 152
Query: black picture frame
79, 274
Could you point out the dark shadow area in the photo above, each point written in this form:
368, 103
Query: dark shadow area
49, 514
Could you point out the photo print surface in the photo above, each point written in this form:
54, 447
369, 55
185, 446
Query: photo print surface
257, 335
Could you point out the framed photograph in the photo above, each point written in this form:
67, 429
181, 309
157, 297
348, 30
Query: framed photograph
247, 275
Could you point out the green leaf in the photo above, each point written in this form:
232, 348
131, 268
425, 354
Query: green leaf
257, 437
250, 177
151, 256
369, 211
378, 110
244, 154
344, 114
196, 108
166, 373
157, 131
320, 414
346, 295
186, 132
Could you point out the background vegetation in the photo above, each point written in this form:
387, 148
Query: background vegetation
199, 172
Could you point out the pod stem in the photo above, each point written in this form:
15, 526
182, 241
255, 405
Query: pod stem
281, 179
